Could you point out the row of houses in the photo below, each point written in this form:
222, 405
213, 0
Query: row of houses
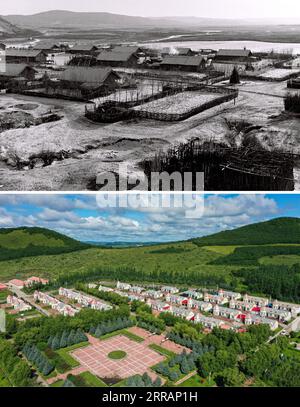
164, 289
55, 304
31, 281
242, 309
84, 300
18, 304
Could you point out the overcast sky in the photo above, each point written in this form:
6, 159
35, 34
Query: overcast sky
200, 8
84, 218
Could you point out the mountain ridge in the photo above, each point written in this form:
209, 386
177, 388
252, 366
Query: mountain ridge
283, 230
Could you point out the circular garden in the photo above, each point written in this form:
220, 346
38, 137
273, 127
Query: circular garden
117, 355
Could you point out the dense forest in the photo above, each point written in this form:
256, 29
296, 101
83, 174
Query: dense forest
280, 230
280, 282
27, 242
250, 255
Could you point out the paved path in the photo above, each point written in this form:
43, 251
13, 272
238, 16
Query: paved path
186, 378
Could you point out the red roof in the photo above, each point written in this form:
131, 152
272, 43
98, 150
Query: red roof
16, 282
3, 286
256, 309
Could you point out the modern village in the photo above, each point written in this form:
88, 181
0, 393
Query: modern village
154, 344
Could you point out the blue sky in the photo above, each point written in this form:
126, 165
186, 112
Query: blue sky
88, 218
200, 8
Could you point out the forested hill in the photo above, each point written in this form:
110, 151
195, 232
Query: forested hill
25, 242
275, 231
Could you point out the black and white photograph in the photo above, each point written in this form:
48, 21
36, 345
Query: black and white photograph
149, 202
122, 88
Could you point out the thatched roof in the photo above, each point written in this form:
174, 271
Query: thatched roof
89, 75
45, 45
241, 53
15, 70
25, 53
184, 51
183, 61
116, 56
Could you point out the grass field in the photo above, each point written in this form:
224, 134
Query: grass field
197, 381
3, 295
3, 380
162, 351
124, 332
117, 355
92, 380
59, 383
67, 357
146, 259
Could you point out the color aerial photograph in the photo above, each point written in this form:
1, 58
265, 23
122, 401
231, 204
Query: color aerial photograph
146, 297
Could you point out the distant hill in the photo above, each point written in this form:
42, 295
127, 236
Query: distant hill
276, 231
67, 19
70, 19
27, 242
8, 29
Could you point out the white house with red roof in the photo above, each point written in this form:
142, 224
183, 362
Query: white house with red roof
84, 300
159, 306
55, 304
18, 303
35, 280
15, 283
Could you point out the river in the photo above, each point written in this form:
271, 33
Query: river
256, 46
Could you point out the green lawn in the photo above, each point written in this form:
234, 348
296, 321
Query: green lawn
65, 354
59, 383
117, 355
197, 381
3, 380
3, 295
92, 380
162, 351
293, 353
124, 332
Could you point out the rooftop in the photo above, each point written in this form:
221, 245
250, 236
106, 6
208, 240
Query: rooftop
183, 60
116, 56
234, 53
15, 70
82, 74
27, 53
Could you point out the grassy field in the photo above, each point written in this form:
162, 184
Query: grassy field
117, 355
162, 351
124, 332
142, 258
3, 295
59, 383
211, 261
92, 380
3, 380
197, 381
288, 260
65, 354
